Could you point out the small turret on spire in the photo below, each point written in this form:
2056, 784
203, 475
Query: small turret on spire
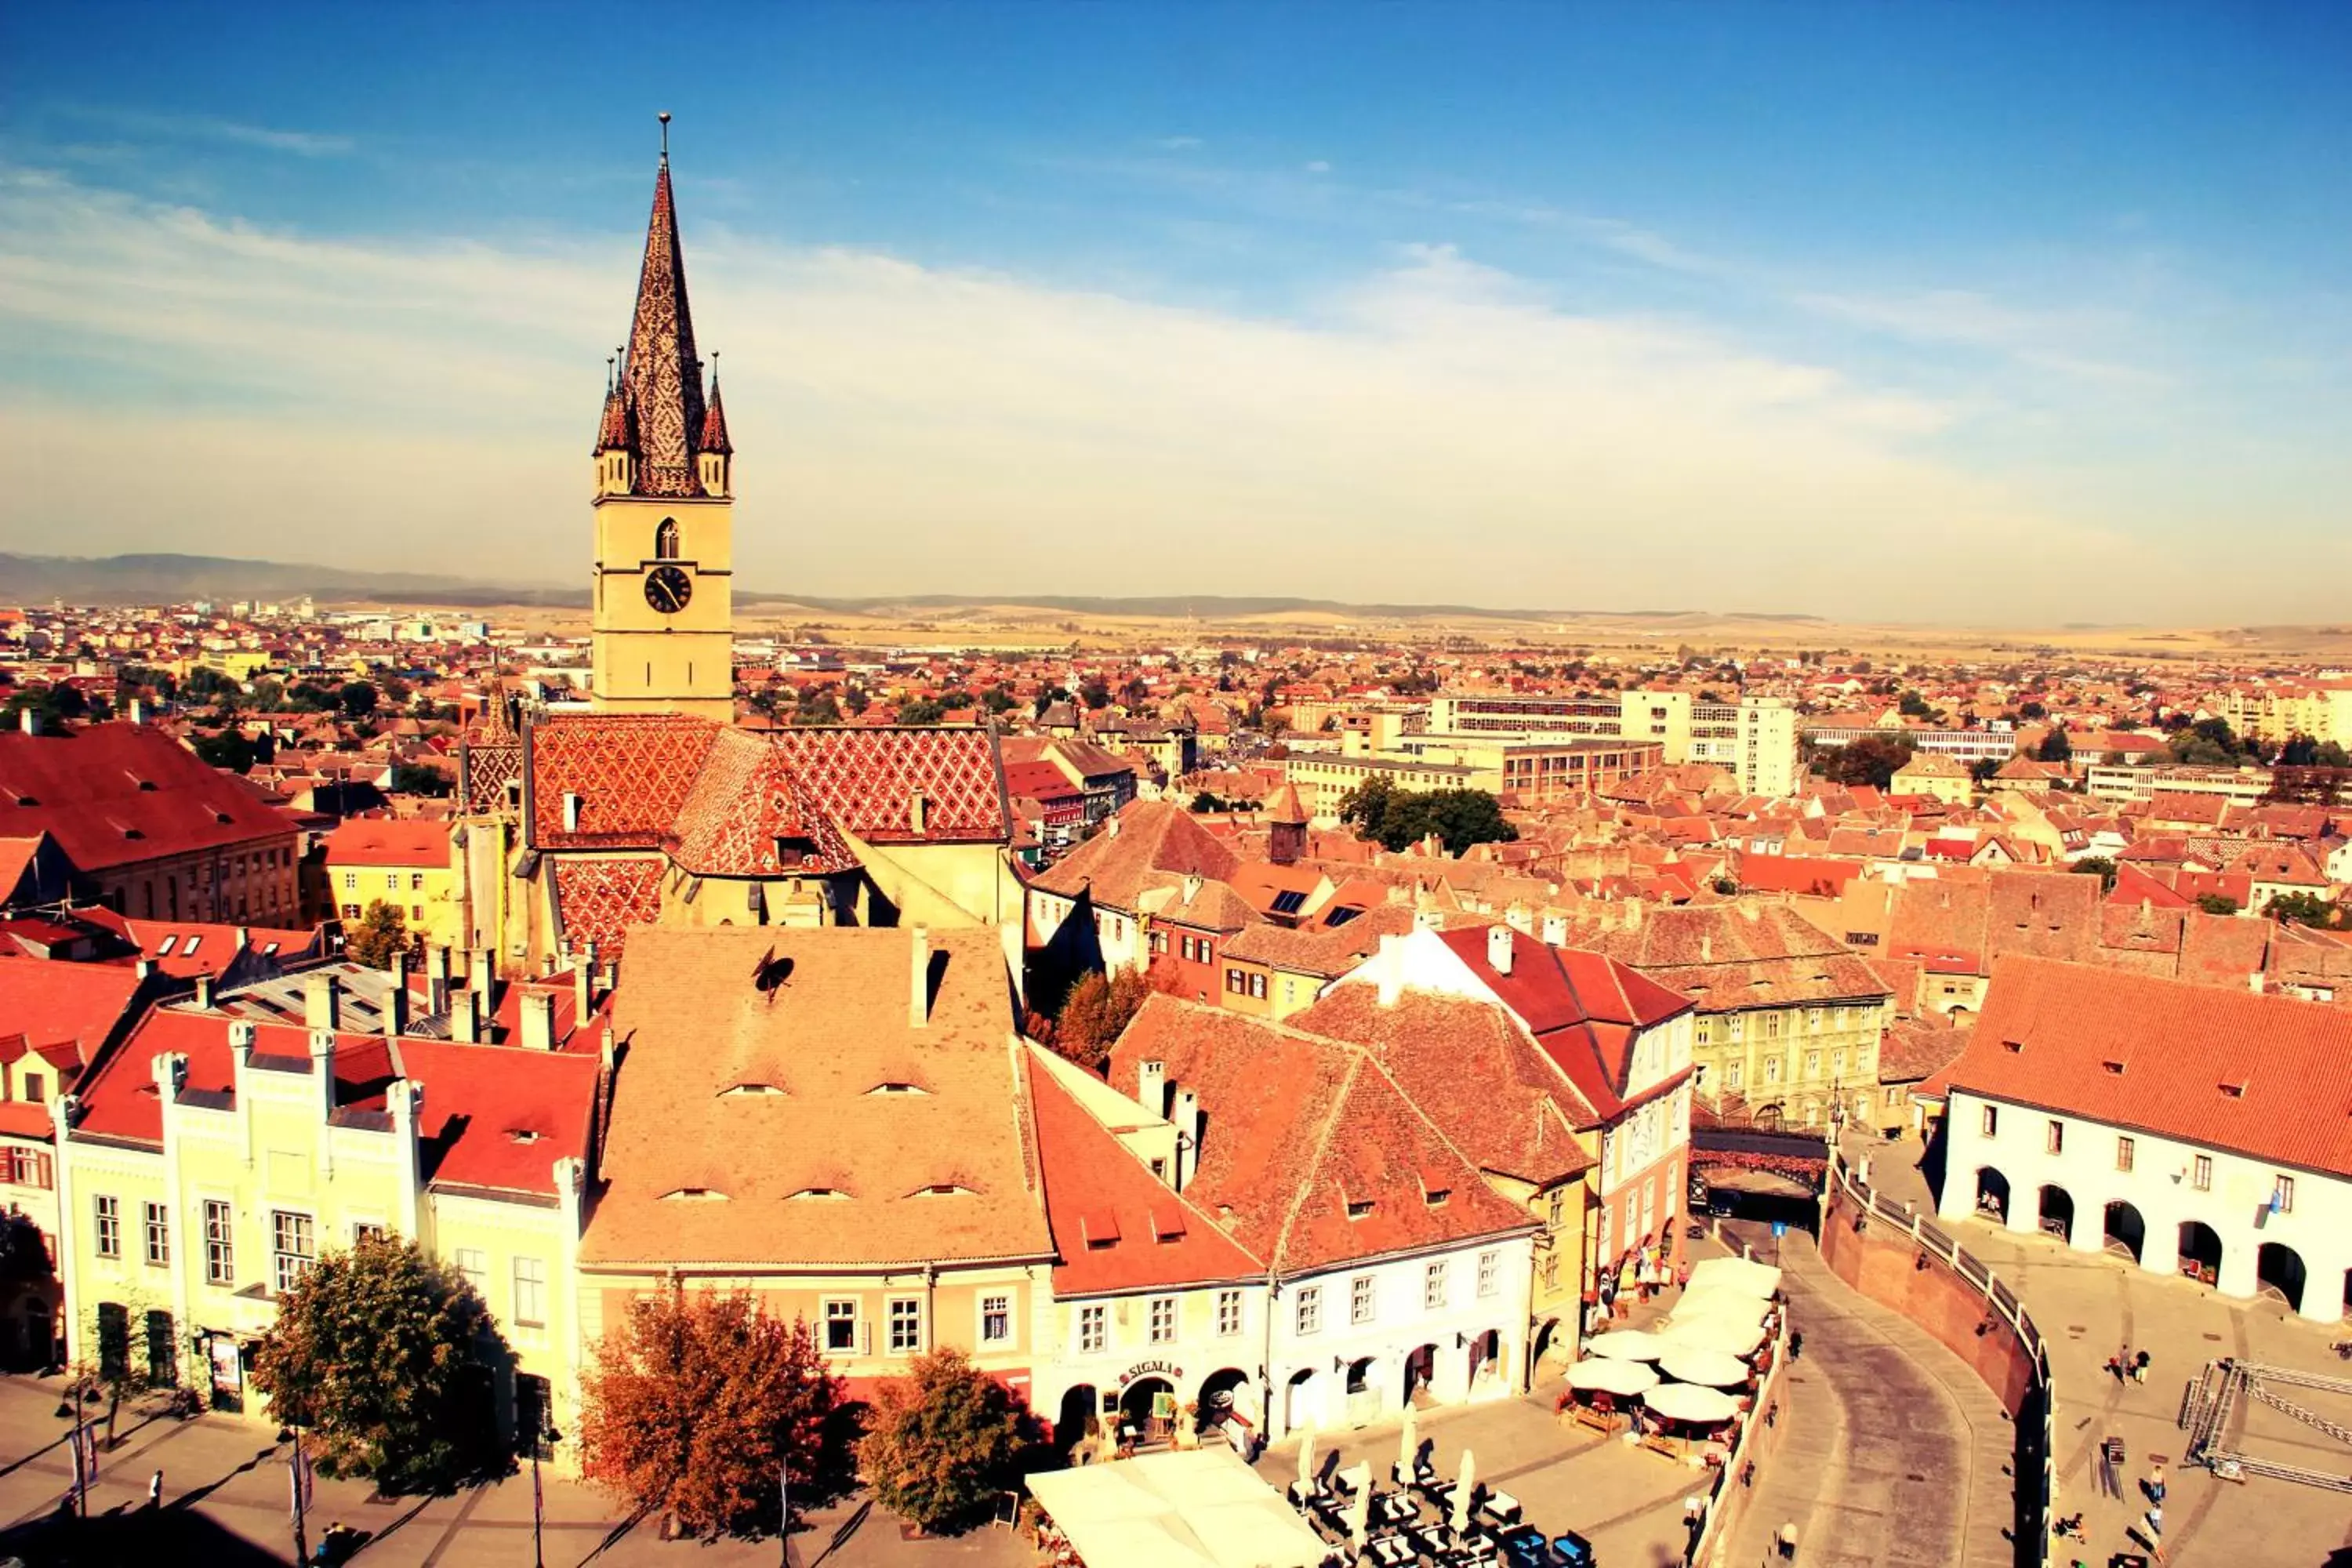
714, 421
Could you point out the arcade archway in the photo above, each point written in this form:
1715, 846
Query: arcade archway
2122, 1227
2055, 1212
2200, 1251
1992, 1194
2278, 1266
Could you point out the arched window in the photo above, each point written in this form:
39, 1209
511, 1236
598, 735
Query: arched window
665, 540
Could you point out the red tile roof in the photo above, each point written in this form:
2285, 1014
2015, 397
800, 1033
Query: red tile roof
1117, 866
2268, 1077
420, 842
48, 1002
114, 794
495, 1117
1091, 1179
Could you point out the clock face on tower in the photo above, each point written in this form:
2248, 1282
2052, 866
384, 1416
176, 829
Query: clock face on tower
667, 589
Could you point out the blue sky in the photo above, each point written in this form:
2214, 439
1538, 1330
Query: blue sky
1995, 314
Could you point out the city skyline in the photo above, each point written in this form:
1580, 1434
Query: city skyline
1923, 323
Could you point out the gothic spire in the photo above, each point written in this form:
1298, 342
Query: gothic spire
714, 425
662, 378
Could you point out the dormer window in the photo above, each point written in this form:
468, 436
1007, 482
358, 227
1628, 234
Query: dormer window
1434, 1196
522, 1135
895, 1087
738, 1091
941, 1190
1359, 1207
2234, 1091
822, 1194
164, 951
695, 1196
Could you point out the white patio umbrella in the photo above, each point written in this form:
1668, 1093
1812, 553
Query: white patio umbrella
1687, 1402
1464, 1482
1626, 1344
1726, 1334
1710, 1369
1744, 1275
1306, 1454
1360, 1504
1622, 1378
1719, 1301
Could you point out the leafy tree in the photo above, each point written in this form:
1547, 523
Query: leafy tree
1911, 705
228, 749
123, 1357
357, 698
999, 698
1871, 760
1367, 805
1135, 692
1048, 696
379, 935
2218, 903
1209, 800
921, 711
1095, 694
2099, 866
1726, 886
2303, 910
1983, 770
1095, 1012
942, 1443
2302, 752
408, 778
2209, 743
307, 697
380, 1353
2031, 711
696, 1402
856, 699
204, 683
1461, 817
2054, 747
816, 706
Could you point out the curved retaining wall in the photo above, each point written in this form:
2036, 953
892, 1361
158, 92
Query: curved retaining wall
1897, 1257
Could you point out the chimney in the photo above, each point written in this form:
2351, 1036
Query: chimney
919, 979
1519, 918
1390, 967
395, 997
29, 721
241, 1035
144, 969
919, 812
244, 938
538, 1020
436, 979
1187, 1136
1191, 886
2254, 981
571, 812
137, 713
1151, 1087
465, 1017
322, 1069
481, 978
1633, 915
1555, 931
583, 983
322, 1003
1498, 949
205, 992
1111, 825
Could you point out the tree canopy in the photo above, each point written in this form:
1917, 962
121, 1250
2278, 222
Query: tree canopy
2055, 747
1869, 759
1095, 1012
697, 1401
381, 1353
1397, 817
2304, 909
941, 1441
2099, 866
377, 936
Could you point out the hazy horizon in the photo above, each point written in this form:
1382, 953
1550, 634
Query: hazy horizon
1960, 317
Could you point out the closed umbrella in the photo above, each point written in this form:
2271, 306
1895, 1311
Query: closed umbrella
1687, 1402
1622, 1378
1710, 1369
1306, 1454
1360, 1504
1626, 1344
1409, 1440
1726, 1334
1463, 1483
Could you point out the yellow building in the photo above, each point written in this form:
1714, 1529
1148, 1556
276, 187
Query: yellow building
1930, 773
406, 863
661, 597
211, 1159
2321, 711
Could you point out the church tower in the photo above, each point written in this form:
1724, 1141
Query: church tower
661, 606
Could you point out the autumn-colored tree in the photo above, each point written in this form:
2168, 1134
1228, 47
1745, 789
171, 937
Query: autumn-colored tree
1094, 1015
382, 1352
377, 936
940, 1444
697, 1401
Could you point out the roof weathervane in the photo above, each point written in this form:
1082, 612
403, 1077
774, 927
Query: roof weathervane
665, 125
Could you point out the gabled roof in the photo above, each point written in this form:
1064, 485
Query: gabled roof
1116, 1226
113, 795
1116, 864
49, 1002
1312, 1156
759, 1117
2268, 1077
414, 841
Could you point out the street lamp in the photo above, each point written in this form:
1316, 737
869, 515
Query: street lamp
545, 1435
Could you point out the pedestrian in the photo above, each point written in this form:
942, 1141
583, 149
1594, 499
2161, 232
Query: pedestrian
1788, 1541
1796, 1344
155, 1489
2155, 1485
2114, 1367
2139, 1367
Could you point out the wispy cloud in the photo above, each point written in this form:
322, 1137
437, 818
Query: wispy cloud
1443, 428
2049, 340
209, 127
1178, 143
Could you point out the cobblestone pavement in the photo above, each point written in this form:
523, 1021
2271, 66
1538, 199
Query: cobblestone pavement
1894, 1453
2092, 1305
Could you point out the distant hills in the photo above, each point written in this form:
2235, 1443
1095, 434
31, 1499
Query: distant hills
175, 579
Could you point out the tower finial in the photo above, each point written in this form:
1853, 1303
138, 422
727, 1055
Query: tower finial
665, 125
609, 383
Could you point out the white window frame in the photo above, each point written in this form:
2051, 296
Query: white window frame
530, 1294
1001, 1302
1434, 1283
1160, 1320
220, 1242
106, 1224
155, 1235
1094, 1328
829, 1318
1306, 1311
1363, 1300
1229, 1313
1989, 1121
896, 1320
474, 1268
304, 1225
2202, 1173
1490, 1272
